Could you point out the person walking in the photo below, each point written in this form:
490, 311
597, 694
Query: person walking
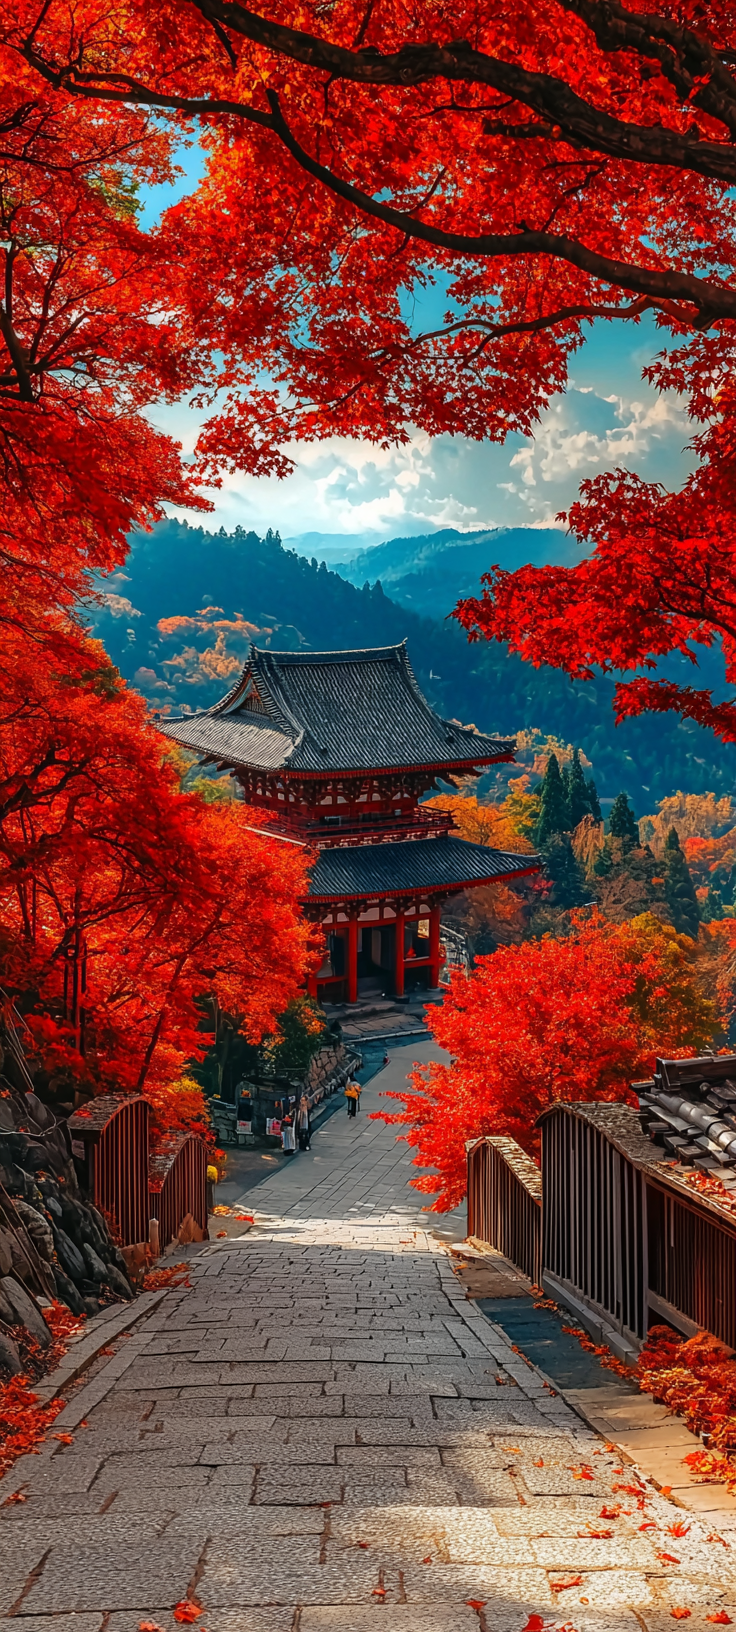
352, 1095
302, 1123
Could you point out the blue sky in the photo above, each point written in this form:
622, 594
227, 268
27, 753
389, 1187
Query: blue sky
608, 416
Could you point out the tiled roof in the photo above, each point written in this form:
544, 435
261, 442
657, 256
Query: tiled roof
327, 712
364, 870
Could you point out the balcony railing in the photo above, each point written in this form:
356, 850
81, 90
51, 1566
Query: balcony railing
328, 831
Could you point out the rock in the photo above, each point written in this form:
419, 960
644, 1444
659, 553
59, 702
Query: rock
6, 1252
67, 1291
92, 1306
69, 1256
38, 1229
95, 1266
118, 1282
10, 1359
26, 1310
7, 1312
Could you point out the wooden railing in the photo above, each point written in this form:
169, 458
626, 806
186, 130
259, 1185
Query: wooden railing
505, 1202
110, 1137
178, 1185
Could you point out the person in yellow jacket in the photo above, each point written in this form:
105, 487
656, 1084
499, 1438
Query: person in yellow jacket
352, 1095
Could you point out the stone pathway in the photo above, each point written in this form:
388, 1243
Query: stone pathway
324, 1435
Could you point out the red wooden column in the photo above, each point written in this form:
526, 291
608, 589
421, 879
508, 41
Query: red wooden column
353, 958
312, 988
399, 956
434, 945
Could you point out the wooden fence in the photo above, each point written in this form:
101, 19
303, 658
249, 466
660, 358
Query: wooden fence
505, 1202
110, 1139
607, 1227
178, 1185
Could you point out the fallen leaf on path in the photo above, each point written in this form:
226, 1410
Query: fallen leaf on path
678, 1529
720, 1618
362, 1544
667, 1558
567, 1582
64, 1439
540, 1463
221, 1233
378, 1592
187, 1611
149, 1626
610, 1512
585, 1472
595, 1535
480, 1603
680, 1614
427, 1560
17, 1496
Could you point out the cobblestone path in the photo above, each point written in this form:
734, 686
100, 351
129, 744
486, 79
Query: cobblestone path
322, 1434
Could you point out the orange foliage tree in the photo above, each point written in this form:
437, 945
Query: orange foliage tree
123, 900
575, 1019
544, 165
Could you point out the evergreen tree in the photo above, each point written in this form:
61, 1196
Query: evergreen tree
561, 867
593, 802
621, 823
554, 815
578, 795
679, 889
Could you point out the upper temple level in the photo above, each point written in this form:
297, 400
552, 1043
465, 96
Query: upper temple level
324, 714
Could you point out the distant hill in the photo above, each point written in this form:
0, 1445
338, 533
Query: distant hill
179, 620
430, 573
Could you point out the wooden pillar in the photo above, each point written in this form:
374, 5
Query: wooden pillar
399, 956
434, 945
352, 958
312, 988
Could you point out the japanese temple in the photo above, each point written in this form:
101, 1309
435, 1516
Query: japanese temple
338, 748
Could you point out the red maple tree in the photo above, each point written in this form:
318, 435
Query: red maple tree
124, 901
542, 164
573, 1019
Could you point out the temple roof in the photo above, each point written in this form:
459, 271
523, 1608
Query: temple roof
411, 866
331, 712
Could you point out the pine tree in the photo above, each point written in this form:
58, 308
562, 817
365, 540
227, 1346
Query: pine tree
561, 868
593, 801
621, 823
578, 794
554, 815
679, 889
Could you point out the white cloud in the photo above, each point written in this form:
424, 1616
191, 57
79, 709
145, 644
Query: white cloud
350, 487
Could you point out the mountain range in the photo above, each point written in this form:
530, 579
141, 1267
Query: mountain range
180, 619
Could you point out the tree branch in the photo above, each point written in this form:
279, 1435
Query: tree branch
577, 119
532, 325
711, 300
685, 58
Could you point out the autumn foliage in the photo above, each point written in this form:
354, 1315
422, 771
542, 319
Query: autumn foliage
123, 900
542, 165
694, 1377
573, 1019
24, 1420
